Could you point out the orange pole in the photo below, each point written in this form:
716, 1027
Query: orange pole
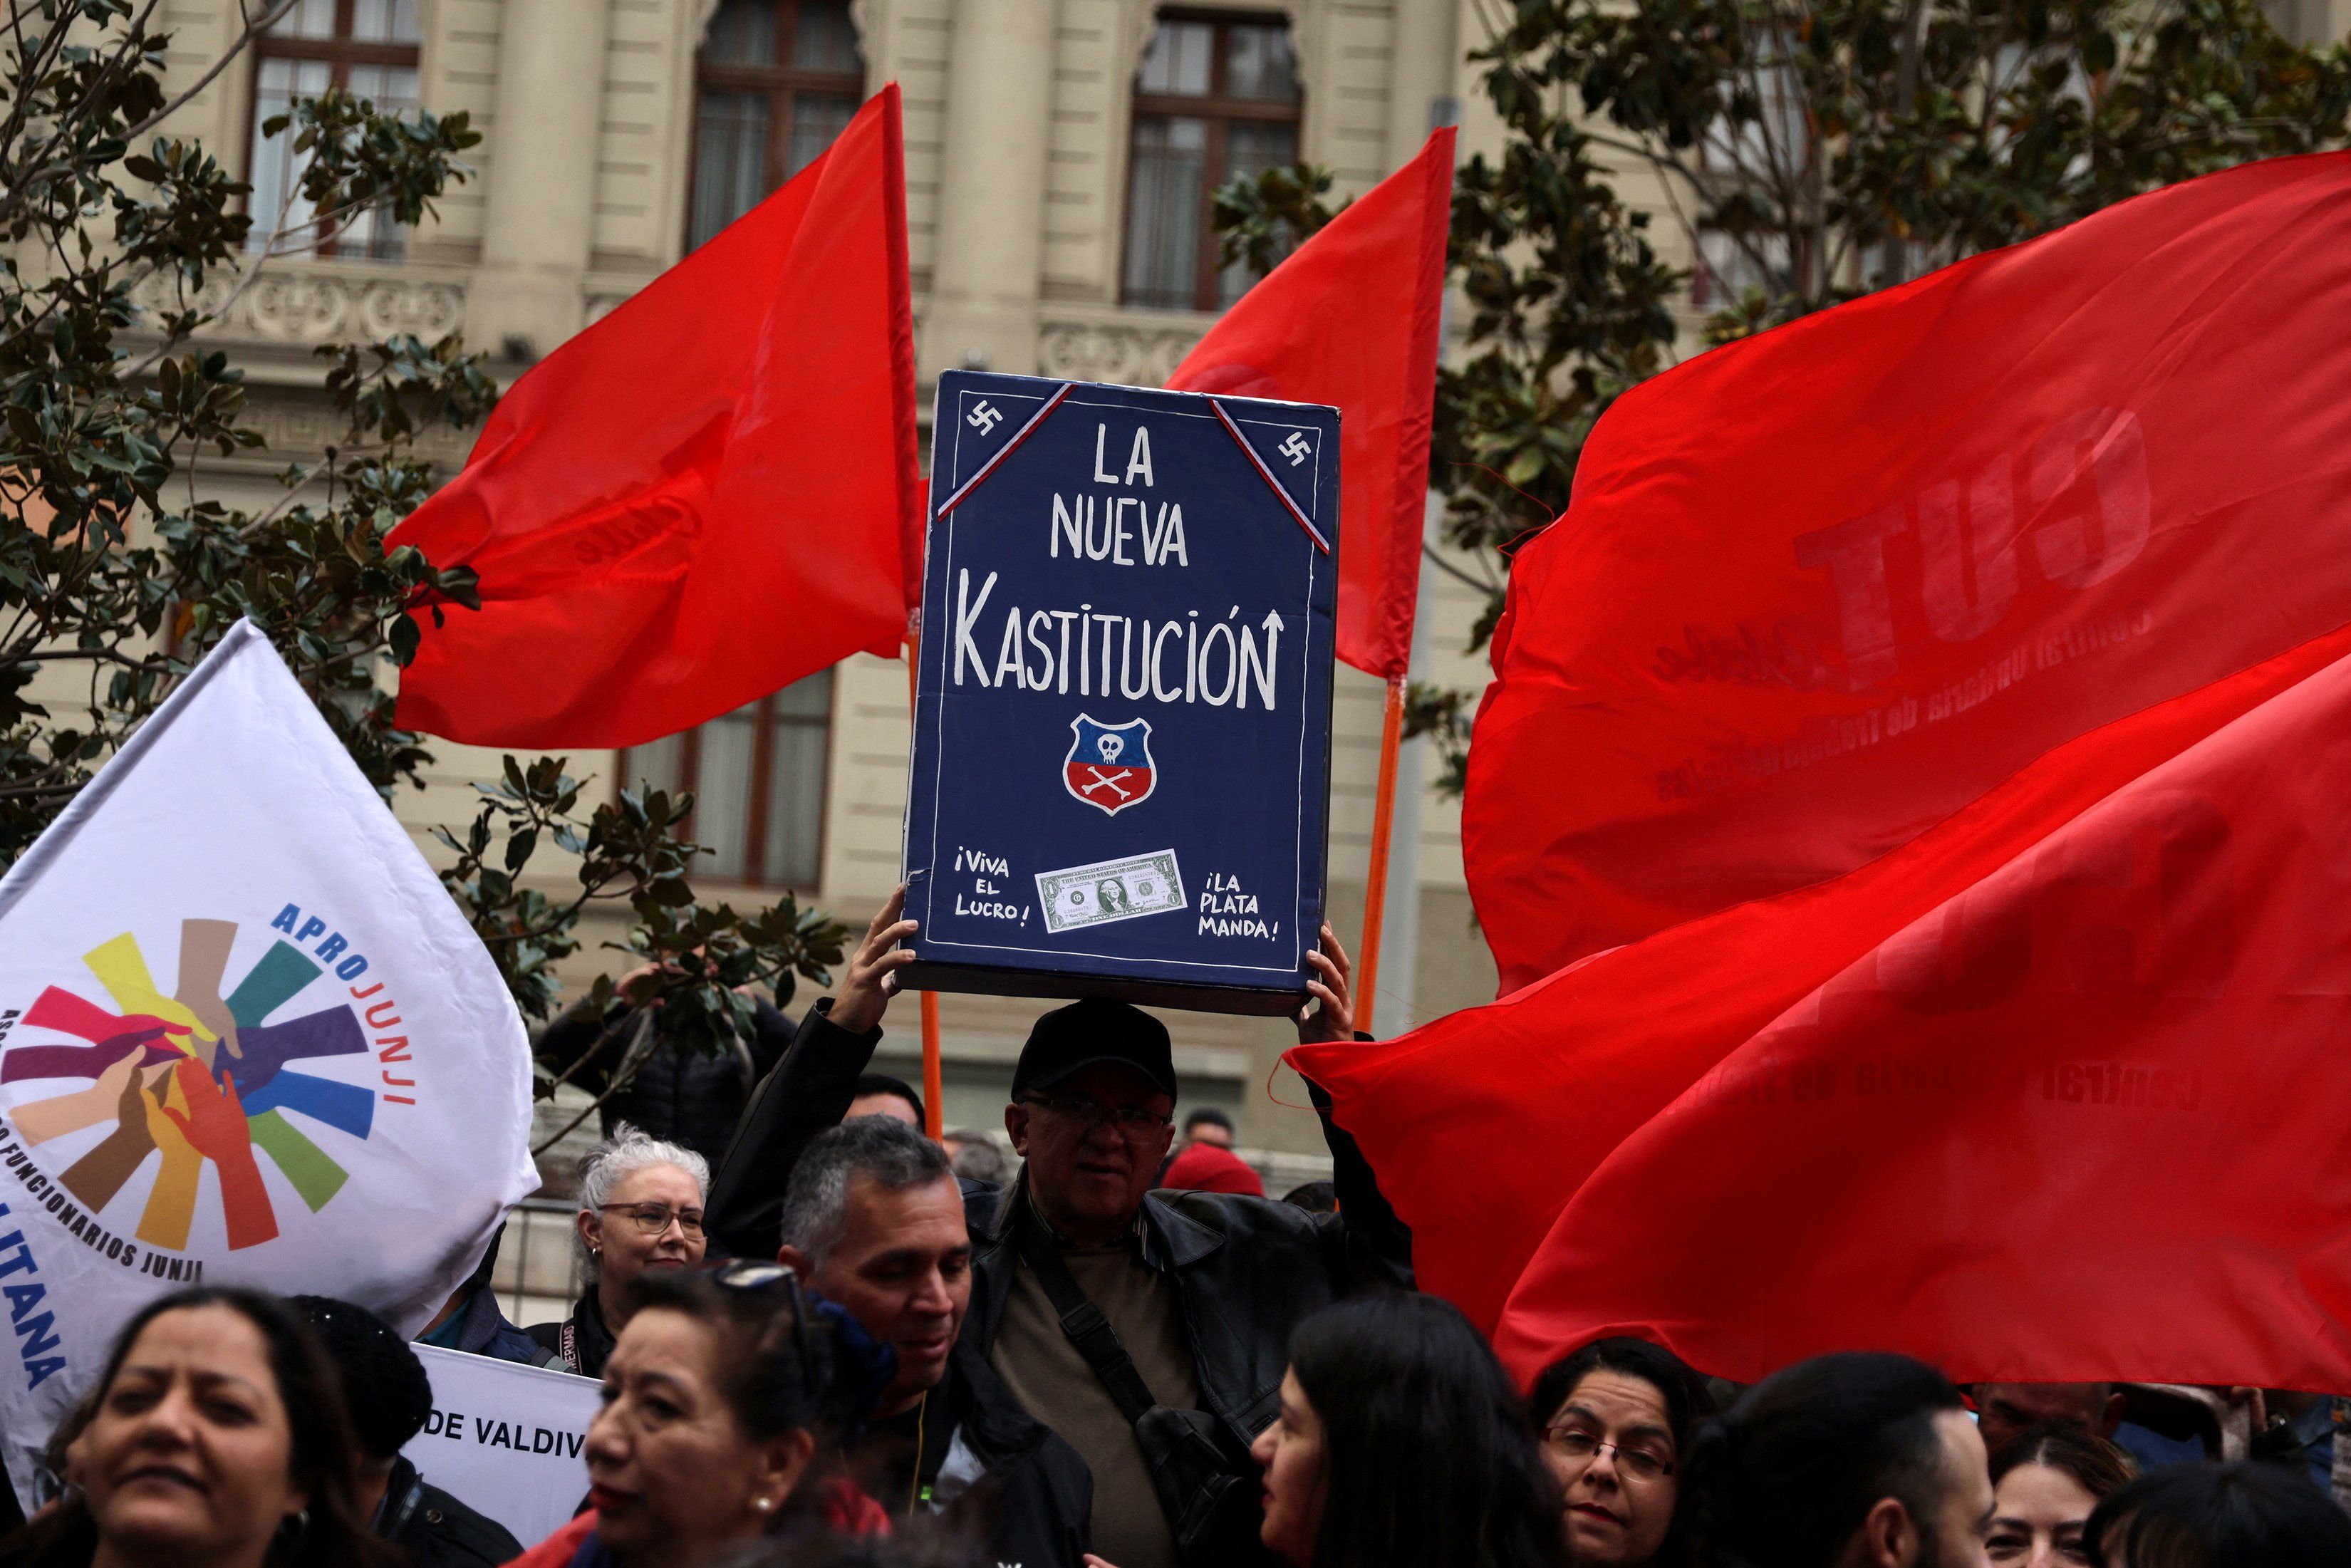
933, 1093
1375, 885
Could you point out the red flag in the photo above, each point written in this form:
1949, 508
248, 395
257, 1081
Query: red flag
2049, 1093
1350, 319
2081, 1122
1819, 589
701, 498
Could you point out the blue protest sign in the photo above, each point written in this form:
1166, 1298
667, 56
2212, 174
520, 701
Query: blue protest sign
1120, 761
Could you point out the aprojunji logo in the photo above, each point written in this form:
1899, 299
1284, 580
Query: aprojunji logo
203, 1074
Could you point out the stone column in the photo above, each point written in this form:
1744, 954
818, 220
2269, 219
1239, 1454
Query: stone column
1420, 74
988, 269
539, 226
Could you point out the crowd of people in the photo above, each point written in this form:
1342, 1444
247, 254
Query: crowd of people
829, 1340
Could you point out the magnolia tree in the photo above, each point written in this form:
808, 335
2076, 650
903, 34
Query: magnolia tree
120, 244
1786, 156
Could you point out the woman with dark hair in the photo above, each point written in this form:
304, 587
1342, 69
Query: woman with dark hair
1615, 1417
2250, 1514
1400, 1442
722, 1404
218, 1436
2045, 1482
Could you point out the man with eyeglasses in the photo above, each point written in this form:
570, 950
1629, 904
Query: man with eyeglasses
1149, 1330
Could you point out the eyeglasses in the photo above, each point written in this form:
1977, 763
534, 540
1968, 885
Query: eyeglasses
1579, 1447
653, 1218
1134, 1124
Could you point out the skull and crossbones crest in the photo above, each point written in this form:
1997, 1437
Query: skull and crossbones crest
1109, 767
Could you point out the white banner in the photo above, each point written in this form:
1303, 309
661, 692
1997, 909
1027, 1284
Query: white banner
506, 1439
245, 1038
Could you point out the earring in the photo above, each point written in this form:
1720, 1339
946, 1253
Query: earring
763, 1504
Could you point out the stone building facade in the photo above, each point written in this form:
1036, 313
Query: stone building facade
1059, 153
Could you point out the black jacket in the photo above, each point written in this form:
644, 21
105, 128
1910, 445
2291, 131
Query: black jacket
1032, 1505
683, 1097
1247, 1269
433, 1530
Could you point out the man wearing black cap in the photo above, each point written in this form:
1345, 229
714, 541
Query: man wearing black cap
1150, 1331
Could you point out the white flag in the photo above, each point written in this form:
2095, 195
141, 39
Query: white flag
245, 1037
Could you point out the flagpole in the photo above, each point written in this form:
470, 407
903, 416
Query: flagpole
933, 1093
1375, 884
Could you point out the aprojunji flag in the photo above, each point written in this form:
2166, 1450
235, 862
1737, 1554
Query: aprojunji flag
1820, 588
702, 498
1350, 319
245, 1038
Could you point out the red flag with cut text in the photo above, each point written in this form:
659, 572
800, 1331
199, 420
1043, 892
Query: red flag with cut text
1818, 589
1350, 319
1907, 817
702, 498
2052, 1093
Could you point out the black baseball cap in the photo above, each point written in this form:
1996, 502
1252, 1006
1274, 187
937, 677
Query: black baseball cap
1091, 1030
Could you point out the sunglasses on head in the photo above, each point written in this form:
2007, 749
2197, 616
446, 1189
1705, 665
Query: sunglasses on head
749, 1275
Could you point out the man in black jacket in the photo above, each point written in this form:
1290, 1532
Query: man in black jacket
873, 1220
1098, 1303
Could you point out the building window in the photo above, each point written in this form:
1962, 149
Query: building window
1216, 97
758, 778
368, 47
777, 81
1727, 268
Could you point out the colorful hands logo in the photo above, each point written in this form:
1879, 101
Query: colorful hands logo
193, 1076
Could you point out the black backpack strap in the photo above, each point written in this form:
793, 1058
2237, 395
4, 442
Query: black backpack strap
1083, 1322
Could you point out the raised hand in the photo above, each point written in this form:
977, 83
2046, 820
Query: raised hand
1334, 1015
873, 969
215, 1127
62, 1113
171, 1202
204, 946
99, 1174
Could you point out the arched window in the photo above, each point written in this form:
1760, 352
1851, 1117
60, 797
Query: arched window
1216, 97
776, 82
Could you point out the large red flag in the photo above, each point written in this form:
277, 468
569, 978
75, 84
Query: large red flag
1350, 319
1818, 589
2051, 1094
1484, 1124
2082, 1120
705, 495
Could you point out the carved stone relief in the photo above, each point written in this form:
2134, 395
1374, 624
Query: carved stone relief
316, 305
1128, 354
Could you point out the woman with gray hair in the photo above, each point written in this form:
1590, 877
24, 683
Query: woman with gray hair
640, 1210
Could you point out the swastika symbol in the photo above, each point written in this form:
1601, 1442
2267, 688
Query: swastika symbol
983, 417
1296, 449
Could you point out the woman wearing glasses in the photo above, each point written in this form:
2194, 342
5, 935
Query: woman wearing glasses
723, 1402
1614, 1418
640, 1215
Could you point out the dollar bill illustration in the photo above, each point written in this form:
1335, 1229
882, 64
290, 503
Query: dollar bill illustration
1110, 891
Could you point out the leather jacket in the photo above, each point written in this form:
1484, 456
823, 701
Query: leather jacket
1247, 1269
